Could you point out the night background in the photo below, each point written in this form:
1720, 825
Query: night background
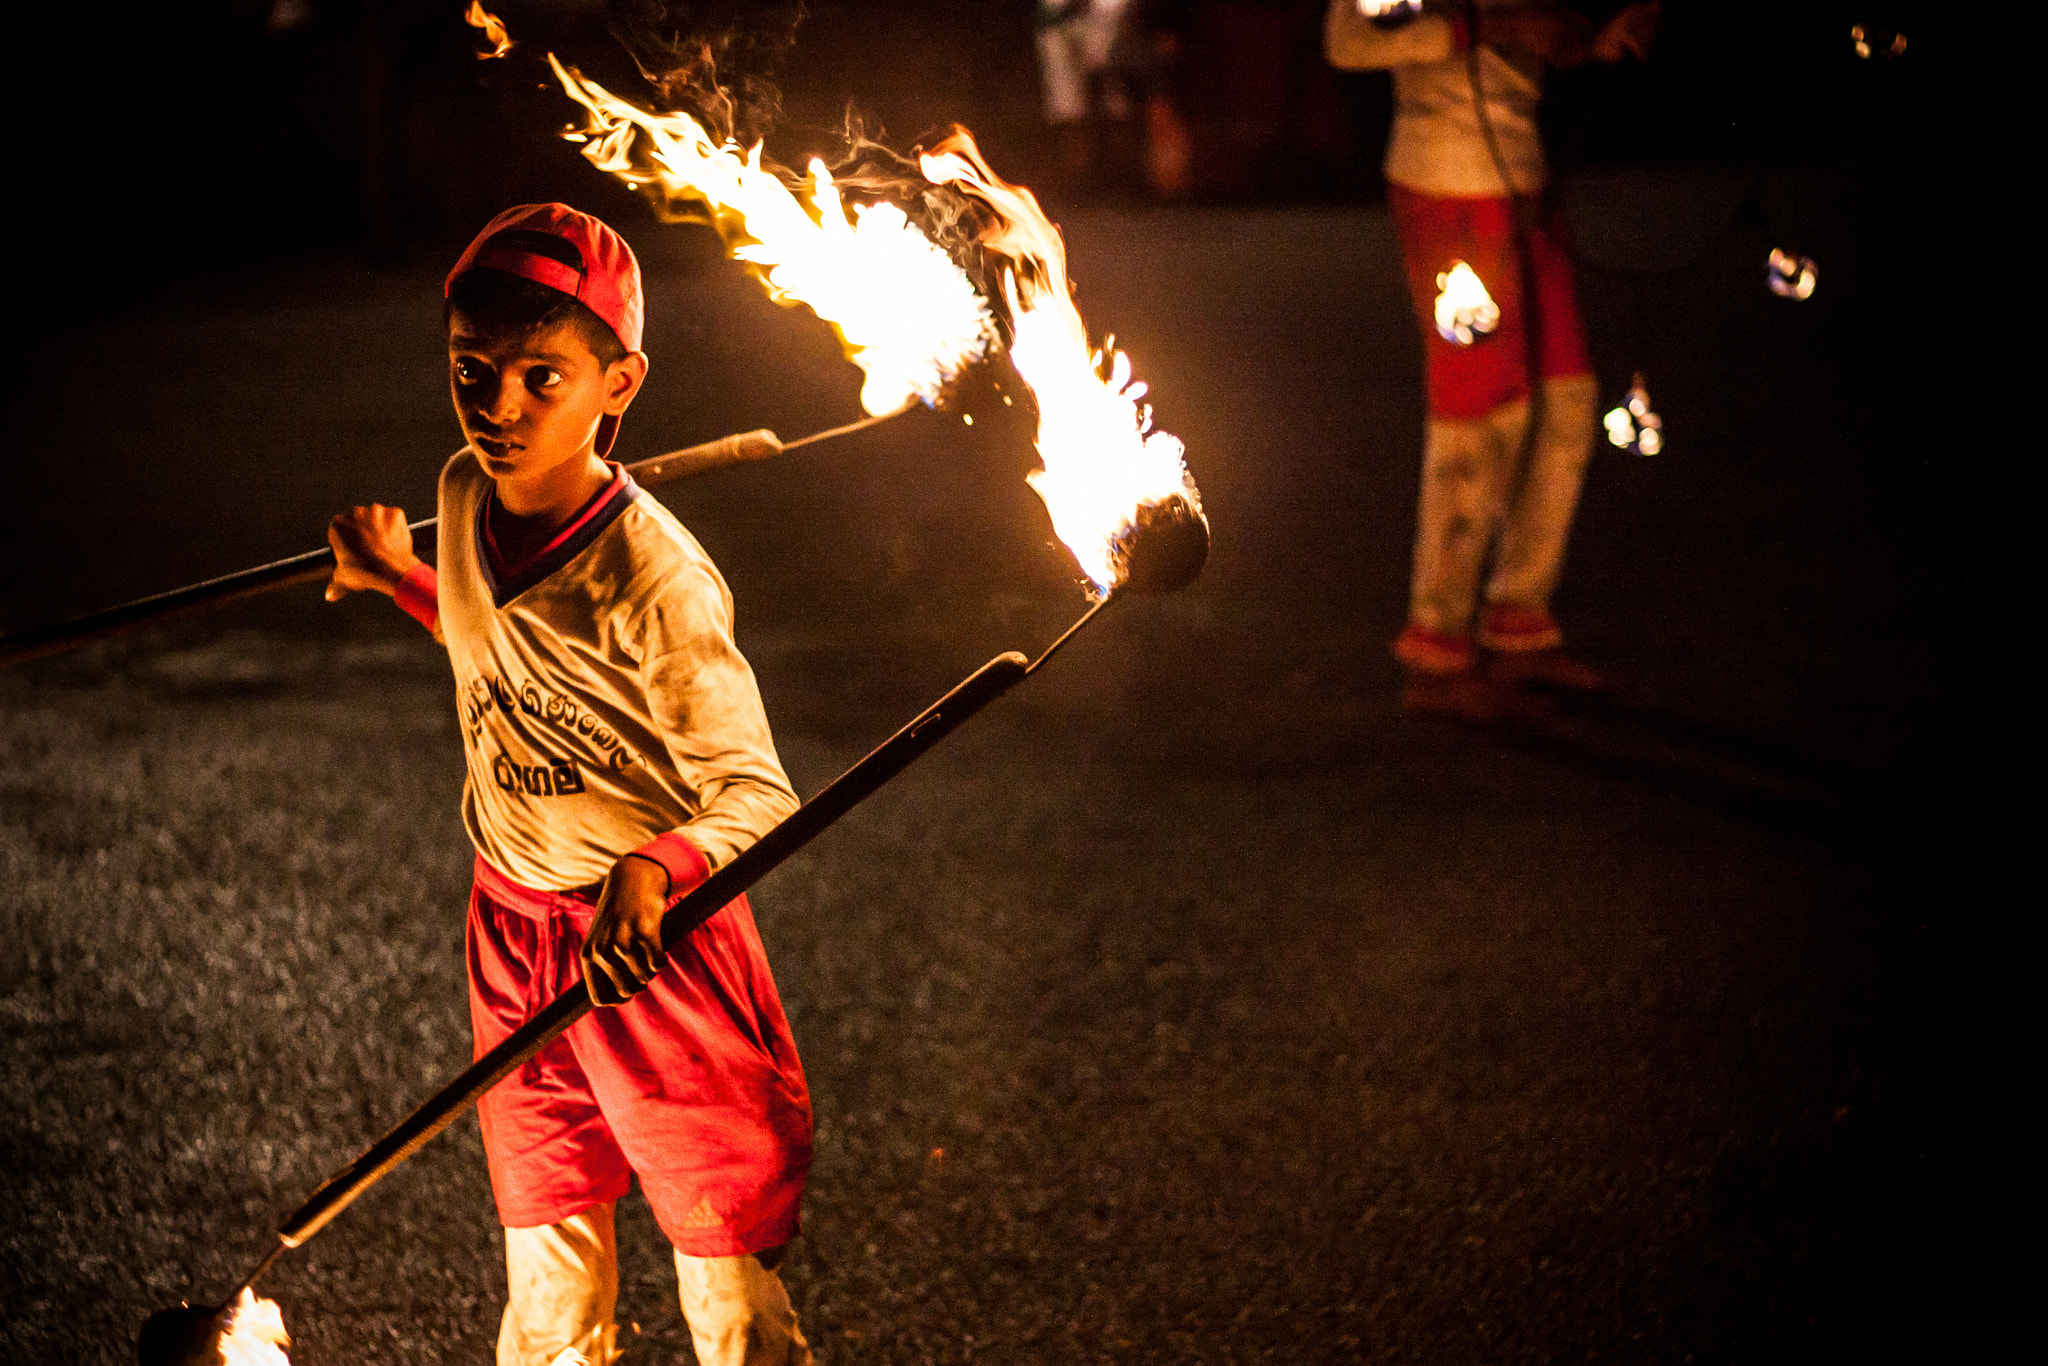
1191, 1005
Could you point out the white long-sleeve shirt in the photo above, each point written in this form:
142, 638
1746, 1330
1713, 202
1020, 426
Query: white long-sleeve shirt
603, 700
1437, 146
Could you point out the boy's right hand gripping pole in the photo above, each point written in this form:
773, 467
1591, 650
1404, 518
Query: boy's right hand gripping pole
895, 754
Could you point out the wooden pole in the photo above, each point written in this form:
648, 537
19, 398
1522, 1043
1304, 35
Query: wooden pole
316, 565
894, 755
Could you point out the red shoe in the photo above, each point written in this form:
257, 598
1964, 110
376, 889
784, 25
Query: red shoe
1518, 630
1526, 650
1432, 652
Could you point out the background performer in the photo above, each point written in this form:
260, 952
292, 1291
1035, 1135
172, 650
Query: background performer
1493, 484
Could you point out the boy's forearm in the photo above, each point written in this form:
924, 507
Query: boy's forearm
744, 808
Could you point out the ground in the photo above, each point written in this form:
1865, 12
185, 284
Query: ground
1190, 1005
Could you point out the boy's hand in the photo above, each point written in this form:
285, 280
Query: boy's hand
1629, 33
622, 953
372, 551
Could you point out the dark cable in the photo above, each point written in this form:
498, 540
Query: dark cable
1525, 252
1749, 209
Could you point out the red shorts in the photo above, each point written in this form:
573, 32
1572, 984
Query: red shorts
1471, 381
693, 1085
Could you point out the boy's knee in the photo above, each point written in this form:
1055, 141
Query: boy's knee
738, 1311
563, 1285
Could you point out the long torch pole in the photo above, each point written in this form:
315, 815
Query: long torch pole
891, 757
936, 722
315, 565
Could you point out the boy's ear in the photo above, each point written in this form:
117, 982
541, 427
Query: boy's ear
623, 381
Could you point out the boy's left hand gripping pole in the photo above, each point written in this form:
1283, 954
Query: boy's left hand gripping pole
316, 565
895, 754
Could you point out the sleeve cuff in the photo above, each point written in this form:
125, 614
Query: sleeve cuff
678, 853
419, 593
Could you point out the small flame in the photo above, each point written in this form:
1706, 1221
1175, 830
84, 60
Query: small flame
1389, 13
906, 312
1465, 312
1102, 462
493, 27
255, 1334
1633, 427
1791, 276
1872, 42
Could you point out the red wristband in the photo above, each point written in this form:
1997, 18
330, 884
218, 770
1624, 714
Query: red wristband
419, 593
679, 854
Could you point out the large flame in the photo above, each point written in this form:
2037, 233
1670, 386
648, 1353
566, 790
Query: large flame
493, 27
255, 1334
907, 313
1103, 463
909, 316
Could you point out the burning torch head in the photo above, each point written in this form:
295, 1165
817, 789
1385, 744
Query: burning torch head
1165, 548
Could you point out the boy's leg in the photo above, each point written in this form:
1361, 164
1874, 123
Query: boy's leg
700, 1083
739, 1313
555, 1166
564, 1285
1464, 468
1517, 624
1538, 523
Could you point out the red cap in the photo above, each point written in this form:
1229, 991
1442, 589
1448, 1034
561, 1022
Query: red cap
608, 283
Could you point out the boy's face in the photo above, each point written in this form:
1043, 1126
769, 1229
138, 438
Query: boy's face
530, 405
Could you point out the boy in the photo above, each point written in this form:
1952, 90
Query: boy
1490, 484
617, 754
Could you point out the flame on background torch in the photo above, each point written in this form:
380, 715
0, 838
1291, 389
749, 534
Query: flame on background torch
1106, 472
1791, 276
1465, 312
905, 311
1389, 13
493, 27
1633, 427
1870, 42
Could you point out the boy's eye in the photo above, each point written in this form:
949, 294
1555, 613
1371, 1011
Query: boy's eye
542, 377
468, 371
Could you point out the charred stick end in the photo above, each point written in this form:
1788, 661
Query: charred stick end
186, 1336
1166, 547
712, 455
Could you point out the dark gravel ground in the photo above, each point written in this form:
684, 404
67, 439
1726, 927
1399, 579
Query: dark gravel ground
1188, 1007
